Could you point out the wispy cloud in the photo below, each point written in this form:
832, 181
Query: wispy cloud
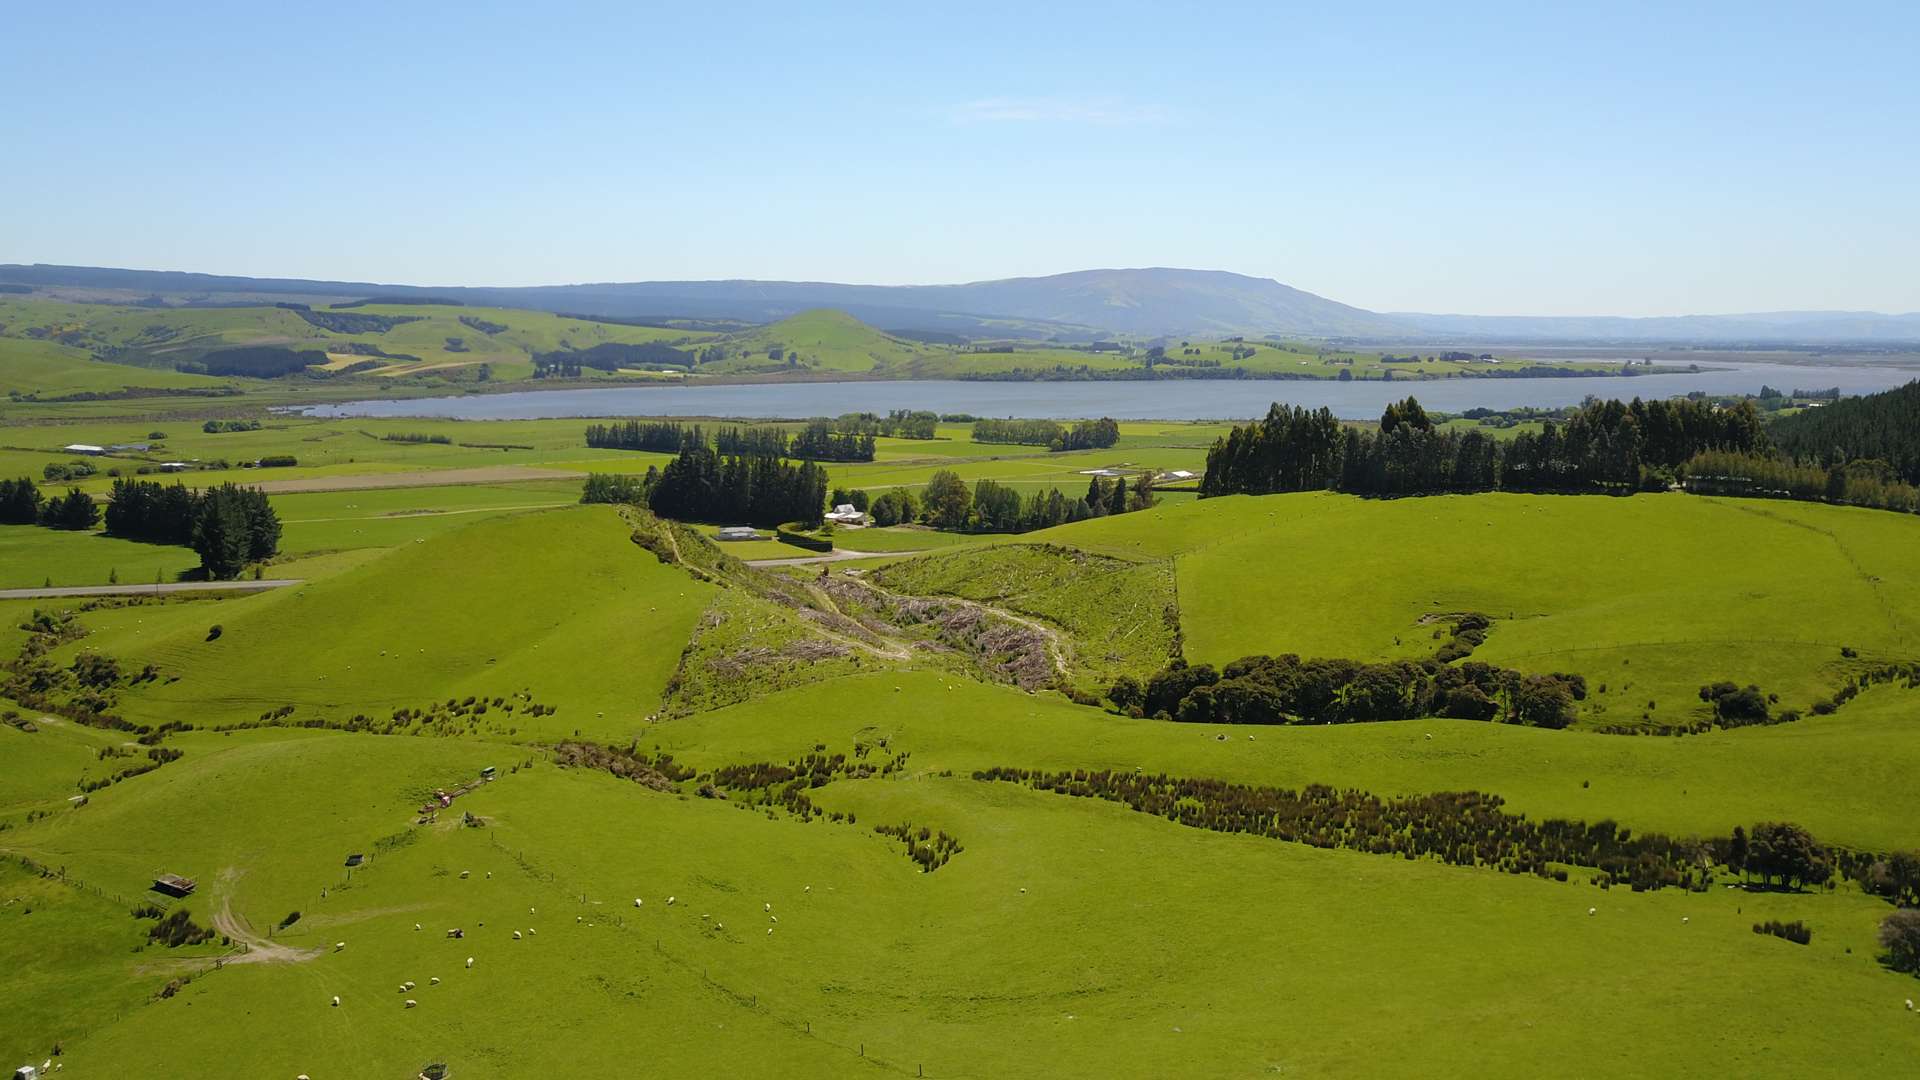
1104, 112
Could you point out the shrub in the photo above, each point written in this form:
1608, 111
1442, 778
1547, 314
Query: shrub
792, 533
1900, 938
292, 917
177, 929
1796, 931
1735, 706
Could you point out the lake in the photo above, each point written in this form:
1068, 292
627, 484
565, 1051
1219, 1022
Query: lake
1168, 399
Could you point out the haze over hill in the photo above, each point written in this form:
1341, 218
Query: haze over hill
1081, 305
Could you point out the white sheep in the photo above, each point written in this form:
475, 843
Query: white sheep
530, 911
411, 1003
1593, 911
516, 935
807, 889
408, 984
469, 961
434, 981
775, 918
637, 903
766, 907
416, 926
464, 873
336, 1001
1909, 1004
669, 901
769, 930
531, 932
338, 945
1684, 920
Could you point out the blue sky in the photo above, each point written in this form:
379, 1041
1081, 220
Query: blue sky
1527, 158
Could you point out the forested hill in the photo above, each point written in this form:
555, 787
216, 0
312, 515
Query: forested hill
1884, 426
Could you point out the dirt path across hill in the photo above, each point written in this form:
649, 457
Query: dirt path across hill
259, 950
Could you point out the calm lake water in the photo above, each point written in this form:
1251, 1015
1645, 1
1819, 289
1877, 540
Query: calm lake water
1163, 400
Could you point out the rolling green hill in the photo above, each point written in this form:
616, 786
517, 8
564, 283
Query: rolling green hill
626, 890
50, 370
1649, 597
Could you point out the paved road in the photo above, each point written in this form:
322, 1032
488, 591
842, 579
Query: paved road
837, 556
147, 590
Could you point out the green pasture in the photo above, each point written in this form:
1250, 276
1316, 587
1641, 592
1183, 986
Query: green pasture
556, 603
1070, 932
1650, 595
31, 556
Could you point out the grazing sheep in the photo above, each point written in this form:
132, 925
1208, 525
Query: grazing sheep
669, 901
531, 911
579, 918
416, 926
769, 929
636, 902
807, 889
435, 981
531, 932
719, 926
1909, 1004
775, 918
336, 1001
469, 961
1593, 911
411, 1003
1684, 920
408, 984
463, 874
766, 907
1429, 736
403, 988
338, 945
516, 935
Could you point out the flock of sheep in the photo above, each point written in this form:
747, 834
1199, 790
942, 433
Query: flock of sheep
458, 933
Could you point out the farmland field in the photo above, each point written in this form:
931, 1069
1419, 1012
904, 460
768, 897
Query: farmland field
702, 834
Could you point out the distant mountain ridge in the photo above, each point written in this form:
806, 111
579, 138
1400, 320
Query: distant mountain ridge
1078, 306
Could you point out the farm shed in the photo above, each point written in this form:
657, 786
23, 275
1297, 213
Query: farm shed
84, 448
173, 885
737, 532
845, 514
